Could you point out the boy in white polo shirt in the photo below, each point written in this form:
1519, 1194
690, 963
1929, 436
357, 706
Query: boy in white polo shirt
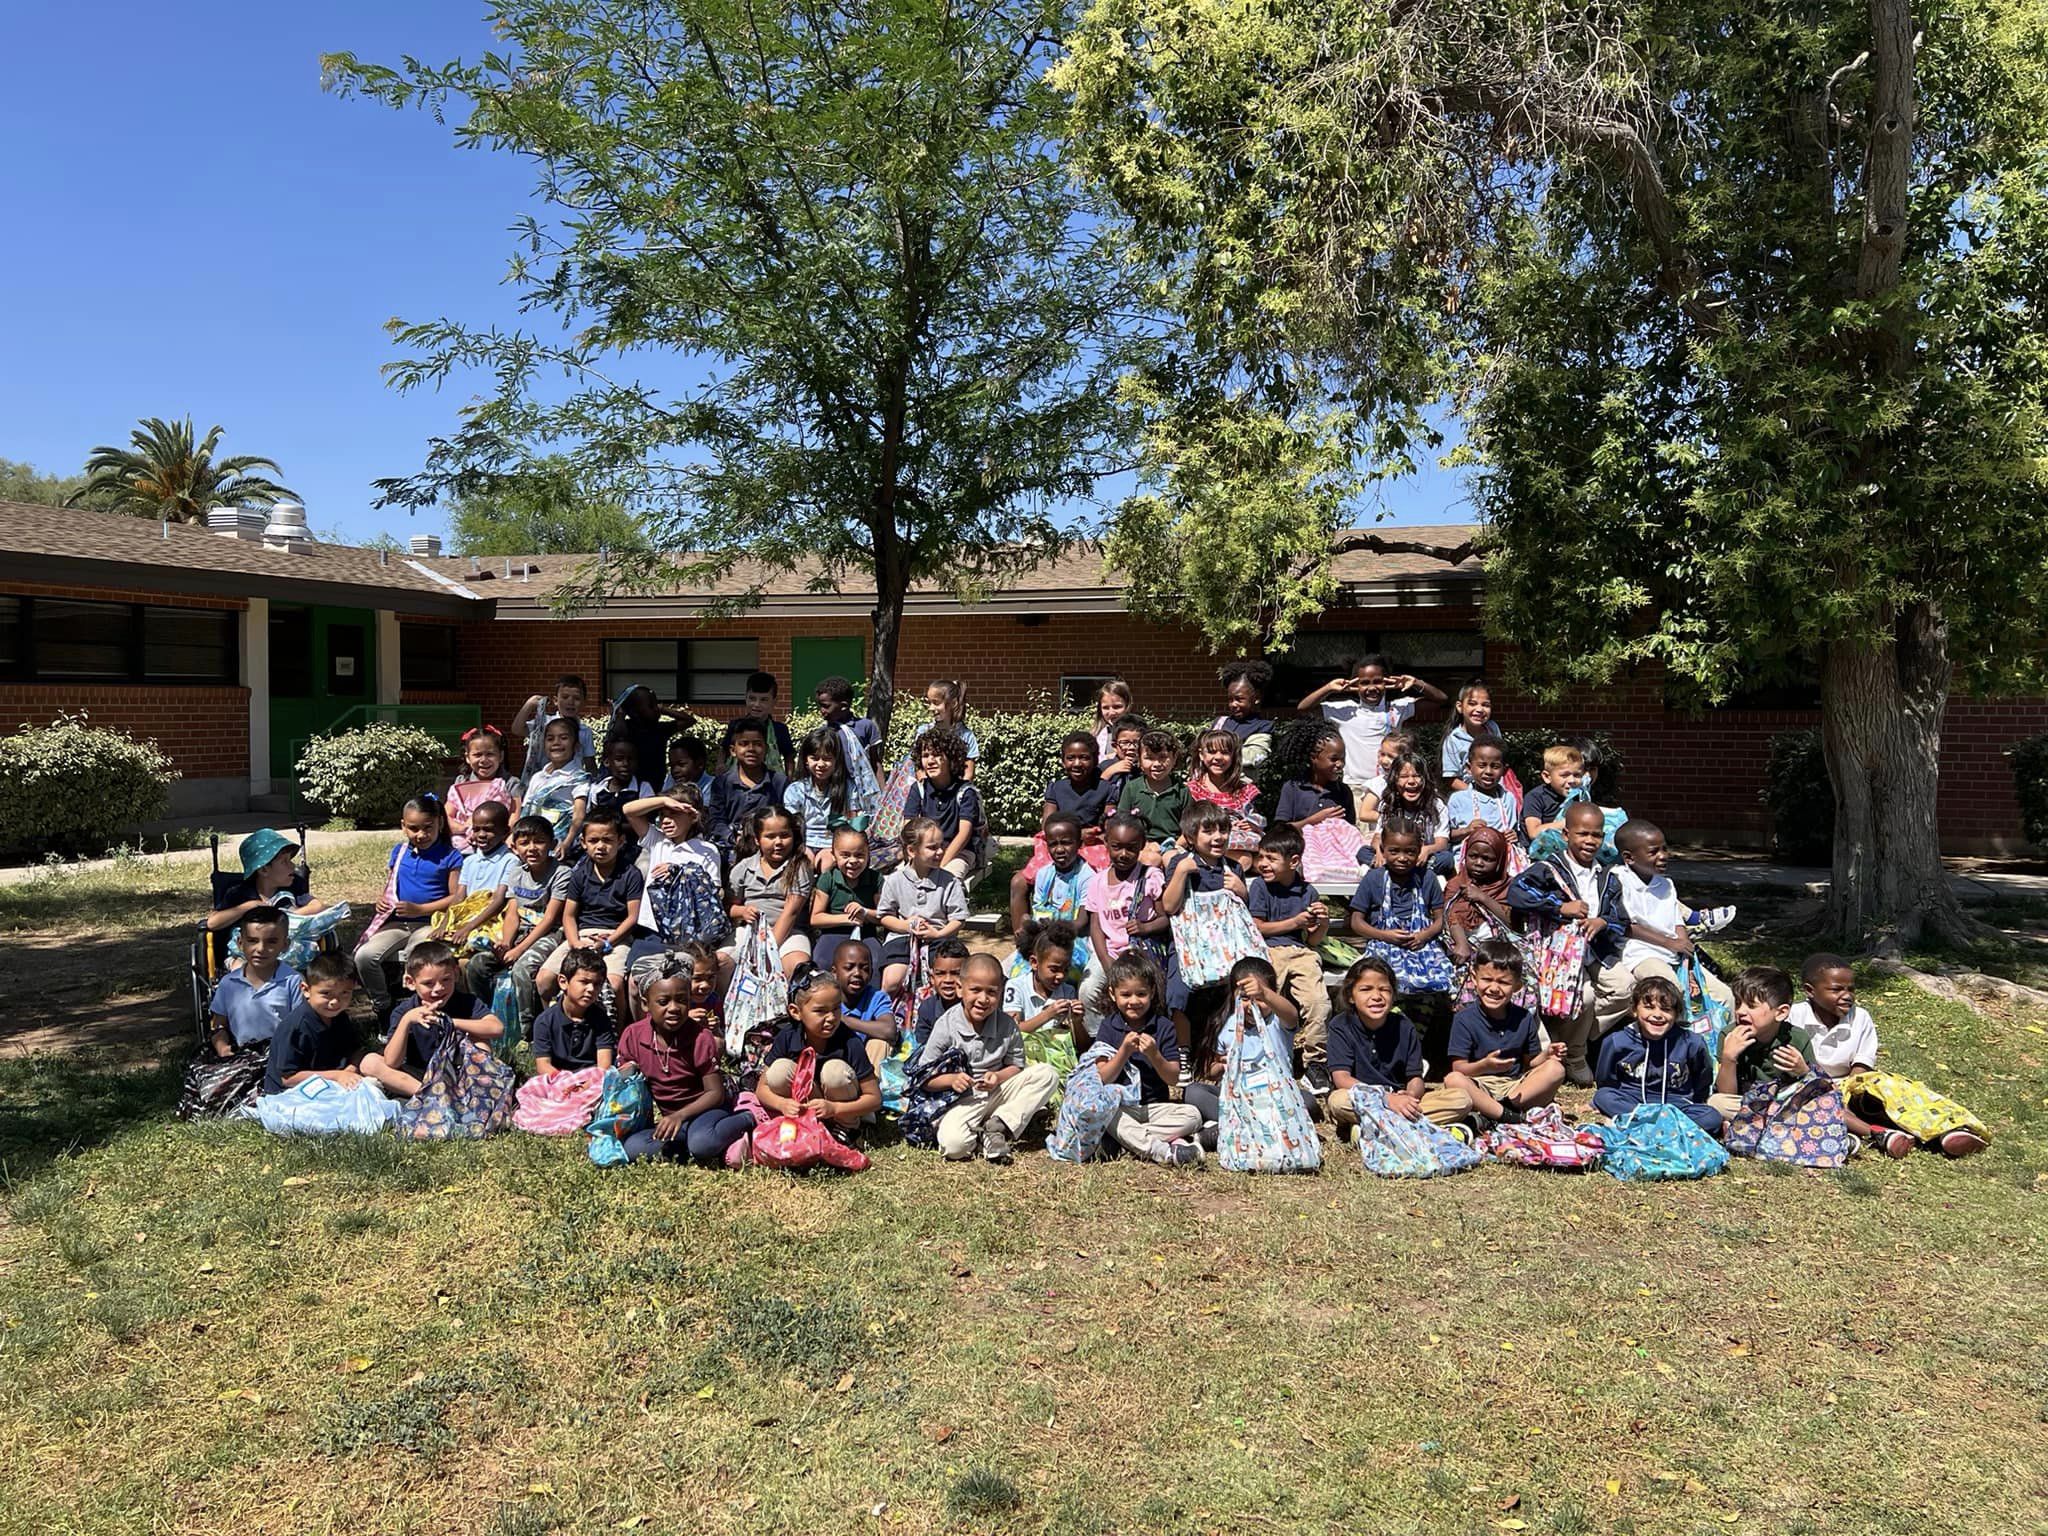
1658, 936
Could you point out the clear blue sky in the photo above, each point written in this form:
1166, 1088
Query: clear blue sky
198, 228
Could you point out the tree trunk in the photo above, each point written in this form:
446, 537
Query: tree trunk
1881, 711
887, 621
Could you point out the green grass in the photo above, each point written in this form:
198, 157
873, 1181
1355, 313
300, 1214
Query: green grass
204, 1329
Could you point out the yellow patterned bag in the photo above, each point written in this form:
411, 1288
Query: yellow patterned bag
1913, 1107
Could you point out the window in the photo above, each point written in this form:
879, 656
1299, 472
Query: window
426, 656
1449, 658
683, 671
1082, 693
62, 639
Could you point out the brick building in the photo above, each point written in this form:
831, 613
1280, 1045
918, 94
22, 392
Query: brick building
433, 630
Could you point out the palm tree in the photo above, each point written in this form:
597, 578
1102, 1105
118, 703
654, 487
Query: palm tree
166, 474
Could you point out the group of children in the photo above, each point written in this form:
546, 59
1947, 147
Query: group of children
1494, 944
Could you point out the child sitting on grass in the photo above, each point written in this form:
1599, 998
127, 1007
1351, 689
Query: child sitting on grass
1498, 1061
1373, 1045
248, 1007
1251, 981
576, 1030
1654, 1060
1138, 1033
433, 1008
1041, 1000
316, 1038
1004, 1092
676, 1049
846, 1091
1894, 1113
1761, 1043
864, 1007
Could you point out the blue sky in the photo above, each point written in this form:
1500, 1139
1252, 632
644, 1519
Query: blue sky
198, 228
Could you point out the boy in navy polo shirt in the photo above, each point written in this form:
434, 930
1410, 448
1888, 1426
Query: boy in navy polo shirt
1290, 914
1498, 1061
316, 1038
576, 1031
434, 1007
834, 698
944, 795
746, 785
601, 906
845, 1092
945, 965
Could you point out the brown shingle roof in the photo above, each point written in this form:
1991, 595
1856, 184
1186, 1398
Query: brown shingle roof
105, 549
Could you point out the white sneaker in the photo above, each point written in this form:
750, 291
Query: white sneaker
1180, 1154
1710, 919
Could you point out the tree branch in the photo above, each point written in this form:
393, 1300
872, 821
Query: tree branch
1359, 538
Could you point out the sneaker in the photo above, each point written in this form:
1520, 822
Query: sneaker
1316, 1079
995, 1143
1709, 919
1460, 1131
1512, 1113
1892, 1143
1181, 1154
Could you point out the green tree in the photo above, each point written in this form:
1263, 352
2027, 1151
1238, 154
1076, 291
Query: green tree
23, 482
169, 472
854, 221
1744, 306
540, 513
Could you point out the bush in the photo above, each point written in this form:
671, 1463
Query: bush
71, 787
1801, 799
2030, 783
368, 775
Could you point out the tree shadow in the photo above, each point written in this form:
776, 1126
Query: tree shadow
54, 1105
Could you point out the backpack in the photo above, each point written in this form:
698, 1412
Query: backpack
1262, 1124
1657, 1141
1087, 1106
686, 906
923, 1107
1394, 1147
1802, 1122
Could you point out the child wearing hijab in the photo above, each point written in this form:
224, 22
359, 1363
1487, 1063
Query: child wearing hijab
1476, 898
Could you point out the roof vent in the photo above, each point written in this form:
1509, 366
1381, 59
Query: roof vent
286, 529
237, 522
426, 546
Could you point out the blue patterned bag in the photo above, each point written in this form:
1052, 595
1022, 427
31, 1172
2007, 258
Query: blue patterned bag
1087, 1106
922, 1105
465, 1093
1427, 969
1395, 1147
687, 908
319, 1106
505, 1008
1657, 1141
1703, 1014
623, 1106
1262, 1123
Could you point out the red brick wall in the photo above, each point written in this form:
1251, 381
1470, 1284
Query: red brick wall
205, 730
1699, 775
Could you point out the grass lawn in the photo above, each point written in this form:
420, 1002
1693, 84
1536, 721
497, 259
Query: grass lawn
203, 1329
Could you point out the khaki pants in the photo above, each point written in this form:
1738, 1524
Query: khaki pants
835, 1079
1441, 1105
1014, 1105
1300, 970
399, 936
1613, 985
1146, 1129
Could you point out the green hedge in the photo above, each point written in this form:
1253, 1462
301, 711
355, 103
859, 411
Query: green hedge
2030, 783
72, 788
1801, 799
369, 774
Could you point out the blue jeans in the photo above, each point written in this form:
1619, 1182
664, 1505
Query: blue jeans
701, 1140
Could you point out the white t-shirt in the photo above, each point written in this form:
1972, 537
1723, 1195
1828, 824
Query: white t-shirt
657, 850
1841, 1050
1654, 904
1363, 727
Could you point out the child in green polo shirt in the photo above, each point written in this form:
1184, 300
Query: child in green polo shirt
1155, 794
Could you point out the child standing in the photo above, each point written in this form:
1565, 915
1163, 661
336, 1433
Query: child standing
248, 1007
538, 893
1004, 1092
1657, 936
947, 699
1136, 1033
744, 787
1292, 918
819, 797
483, 781
1484, 802
1474, 724
576, 1030
425, 877
760, 703
1154, 795
1043, 1002
1369, 701
1082, 795
1122, 906
919, 902
1498, 1062
1321, 793
536, 715
1894, 1113
1573, 888
1219, 780
1244, 716
843, 900
1112, 703
434, 1007
943, 794
774, 885
1653, 1061
676, 1049
316, 1038
560, 789
601, 905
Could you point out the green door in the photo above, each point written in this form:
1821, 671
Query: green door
323, 663
813, 658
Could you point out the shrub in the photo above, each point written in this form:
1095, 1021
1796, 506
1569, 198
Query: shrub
367, 775
1801, 799
2030, 783
72, 787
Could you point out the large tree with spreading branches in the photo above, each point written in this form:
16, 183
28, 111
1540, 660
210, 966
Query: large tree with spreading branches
1743, 305
851, 222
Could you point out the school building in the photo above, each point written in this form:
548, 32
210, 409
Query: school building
233, 643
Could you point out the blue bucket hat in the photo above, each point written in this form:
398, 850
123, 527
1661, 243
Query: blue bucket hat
259, 848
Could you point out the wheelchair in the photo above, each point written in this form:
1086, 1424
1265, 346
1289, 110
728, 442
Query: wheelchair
208, 958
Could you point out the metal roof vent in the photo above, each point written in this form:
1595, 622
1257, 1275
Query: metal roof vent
426, 546
237, 522
286, 529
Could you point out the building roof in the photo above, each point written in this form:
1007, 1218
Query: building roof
1074, 581
64, 544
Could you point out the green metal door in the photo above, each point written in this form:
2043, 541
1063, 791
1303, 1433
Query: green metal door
813, 658
323, 663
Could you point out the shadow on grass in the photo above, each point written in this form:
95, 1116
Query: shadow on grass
55, 903
52, 1106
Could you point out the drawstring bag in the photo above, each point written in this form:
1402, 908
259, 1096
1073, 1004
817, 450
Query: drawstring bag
686, 907
471, 907
505, 1009
758, 994
1395, 1147
1211, 934
465, 1093
923, 1105
1332, 850
802, 1141
863, 793
1656, 1141
1427, 969
1262, 1122
1544, 1140
1703, 1014
624, 1105
217, 1086
319, 1106
885, 833
305, 933
1912, 1107
1088, 1107
1801, 1121
558, 1103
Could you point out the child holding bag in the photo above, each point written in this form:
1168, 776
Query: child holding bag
676, 1049
845, 1091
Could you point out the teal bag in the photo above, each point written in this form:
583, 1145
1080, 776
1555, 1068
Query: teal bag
1656, 1141
623, 1106
1703, 1015
505, 1008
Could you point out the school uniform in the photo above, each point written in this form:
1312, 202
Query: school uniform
769, 894
967, 737
1652, 904
1466, 806
423, 1039
779, 741
1542, 804
840, 893
1160, 810
571, 1043
1298, 967
1203, 878
418, 877
554, 793
254, 1013
1677, 1070
601, 901
843, 1064
996, 1045
1474, 1035
1300, 799
305, 1042
1547, 885
929, 1012
533, 894
949, 805
678, 1071
1146, 1128
814, 808
1848, 1045
490, 871
1254, 738
1087, 804
938, 898
1755, 1066
1458, 743
1388, 1058
731, 805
